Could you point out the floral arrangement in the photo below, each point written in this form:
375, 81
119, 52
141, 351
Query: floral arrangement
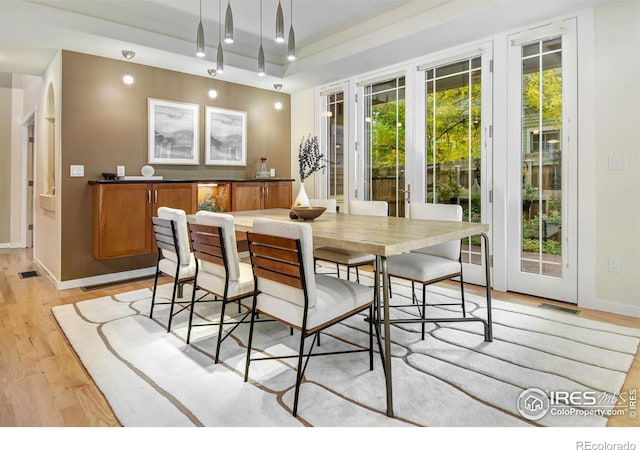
310, 159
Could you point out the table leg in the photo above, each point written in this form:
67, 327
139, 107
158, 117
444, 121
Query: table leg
487, 274
387, 334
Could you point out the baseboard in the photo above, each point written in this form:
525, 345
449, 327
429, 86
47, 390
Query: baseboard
103, 279
616, 308
5, 245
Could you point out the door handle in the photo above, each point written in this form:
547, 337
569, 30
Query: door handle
155, 196
149, 196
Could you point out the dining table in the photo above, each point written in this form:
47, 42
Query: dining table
384, 237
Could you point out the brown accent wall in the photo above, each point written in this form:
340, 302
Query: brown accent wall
104, 124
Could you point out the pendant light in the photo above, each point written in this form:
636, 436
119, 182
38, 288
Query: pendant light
220, 55
200, 36
279, 24
261, 51
291, 47
228, 24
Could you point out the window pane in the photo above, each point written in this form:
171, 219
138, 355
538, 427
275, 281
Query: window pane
542, 114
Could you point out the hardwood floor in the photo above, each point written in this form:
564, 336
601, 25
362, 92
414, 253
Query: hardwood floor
43, 383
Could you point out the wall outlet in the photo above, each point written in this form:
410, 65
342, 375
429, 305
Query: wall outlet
614, 264
76, 171
120, 171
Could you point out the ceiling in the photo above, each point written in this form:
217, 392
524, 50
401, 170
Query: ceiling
335, 39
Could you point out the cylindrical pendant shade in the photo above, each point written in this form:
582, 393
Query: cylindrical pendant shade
200, 41
228, 25
220, 60
279, 24
261, 61
291, 49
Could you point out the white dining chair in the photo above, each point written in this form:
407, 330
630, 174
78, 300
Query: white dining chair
430, 265
288, 291
329, 203
348, 258
218, 271
175, 258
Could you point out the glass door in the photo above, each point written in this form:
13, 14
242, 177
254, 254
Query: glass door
457, 149
383, 155
541, 218
335, 147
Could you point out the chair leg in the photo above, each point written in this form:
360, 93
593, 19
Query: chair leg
348, 273
338, 270
464, 309
424, 305
250, 340
180, 290
173, 302
298, 374
153, 296
193, 301
371, 337
224, 304
357, 275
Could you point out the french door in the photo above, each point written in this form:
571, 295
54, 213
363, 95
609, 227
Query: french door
542, 179
381, 158
457, 105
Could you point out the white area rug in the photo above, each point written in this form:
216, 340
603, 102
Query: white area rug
452, 378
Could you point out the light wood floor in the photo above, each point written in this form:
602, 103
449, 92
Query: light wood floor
43, 383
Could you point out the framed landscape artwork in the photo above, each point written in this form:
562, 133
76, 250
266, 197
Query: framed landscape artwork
173, 132
226, 137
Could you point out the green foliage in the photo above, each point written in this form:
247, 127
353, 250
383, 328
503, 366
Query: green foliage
452, 128
529, 193
551, 96
387, 134
549, 246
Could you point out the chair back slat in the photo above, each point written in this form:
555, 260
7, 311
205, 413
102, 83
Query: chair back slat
164, 231
276, 258
275, 253
207, 242
278, 277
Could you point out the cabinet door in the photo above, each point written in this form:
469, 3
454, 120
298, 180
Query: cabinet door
277, 194
175, 195
246, 196
121, 220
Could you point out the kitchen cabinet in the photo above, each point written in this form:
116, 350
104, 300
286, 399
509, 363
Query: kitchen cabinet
248, 195
122, 215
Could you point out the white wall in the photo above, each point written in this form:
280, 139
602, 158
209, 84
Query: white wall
303, 122
47, 230
617, 133
5, 165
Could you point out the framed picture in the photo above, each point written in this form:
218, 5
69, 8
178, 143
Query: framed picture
173, 132
226, 137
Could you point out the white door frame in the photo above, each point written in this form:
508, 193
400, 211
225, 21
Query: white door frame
564, 288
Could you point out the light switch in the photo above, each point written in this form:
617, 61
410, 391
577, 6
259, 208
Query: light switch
120, 171
77, 171
617, 162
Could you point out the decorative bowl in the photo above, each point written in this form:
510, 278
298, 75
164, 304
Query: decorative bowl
109, 176
309, 212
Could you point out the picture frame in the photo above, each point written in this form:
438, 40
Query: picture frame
225, 137
173, 132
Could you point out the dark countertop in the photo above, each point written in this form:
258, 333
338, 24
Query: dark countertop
204, 180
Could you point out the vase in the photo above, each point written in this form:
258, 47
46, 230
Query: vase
302, 199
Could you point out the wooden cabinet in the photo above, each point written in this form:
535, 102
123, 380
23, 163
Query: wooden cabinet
122, 215
248, 195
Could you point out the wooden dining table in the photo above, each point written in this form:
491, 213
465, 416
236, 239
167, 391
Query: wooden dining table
384, 237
